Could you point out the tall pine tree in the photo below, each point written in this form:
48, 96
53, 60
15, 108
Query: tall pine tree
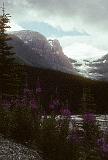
5, 50
6, 53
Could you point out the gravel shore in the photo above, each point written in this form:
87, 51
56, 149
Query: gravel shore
13, 151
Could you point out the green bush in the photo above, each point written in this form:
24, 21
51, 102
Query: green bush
21, 125
4, 121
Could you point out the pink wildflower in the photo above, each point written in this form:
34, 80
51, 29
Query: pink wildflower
89, 118
54, 104
38, 87
66, 112
105, 148
51, 106
33, 104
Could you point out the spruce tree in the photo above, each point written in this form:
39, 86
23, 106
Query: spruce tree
5, 50
6, 54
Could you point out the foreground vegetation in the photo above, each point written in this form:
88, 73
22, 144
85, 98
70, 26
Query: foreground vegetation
54, 137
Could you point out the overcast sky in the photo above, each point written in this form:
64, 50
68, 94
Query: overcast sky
81, 26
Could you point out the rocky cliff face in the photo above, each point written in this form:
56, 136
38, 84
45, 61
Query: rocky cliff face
56, 47
36, 50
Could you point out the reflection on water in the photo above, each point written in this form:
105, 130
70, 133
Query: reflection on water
102, 120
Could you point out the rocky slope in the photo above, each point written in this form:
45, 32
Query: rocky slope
34, 49
13, 151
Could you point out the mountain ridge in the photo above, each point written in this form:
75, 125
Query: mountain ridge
33, 48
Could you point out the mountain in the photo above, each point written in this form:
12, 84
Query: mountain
34, 49
93, 69
100, 66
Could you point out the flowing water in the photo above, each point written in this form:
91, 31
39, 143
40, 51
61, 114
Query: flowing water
102, 120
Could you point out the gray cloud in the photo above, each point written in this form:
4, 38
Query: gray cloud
91, 12
88, 12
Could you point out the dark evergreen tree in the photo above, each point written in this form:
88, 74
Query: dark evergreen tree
5, 50
88, 102
6, 53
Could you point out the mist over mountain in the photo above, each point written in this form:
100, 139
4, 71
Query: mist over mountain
34, 49
93, 69
100, 66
